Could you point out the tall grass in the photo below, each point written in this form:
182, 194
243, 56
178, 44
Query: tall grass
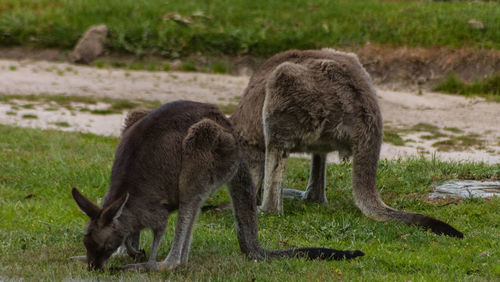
260, 27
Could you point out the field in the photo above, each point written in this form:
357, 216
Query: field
261, 28
422, 45
40, 225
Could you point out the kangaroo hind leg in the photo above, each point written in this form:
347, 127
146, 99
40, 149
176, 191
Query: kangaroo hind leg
157, 236
275, 168
316, 187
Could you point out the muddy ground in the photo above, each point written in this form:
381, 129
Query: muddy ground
433, 125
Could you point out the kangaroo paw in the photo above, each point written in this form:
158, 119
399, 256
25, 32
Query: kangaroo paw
293, 194
308, 195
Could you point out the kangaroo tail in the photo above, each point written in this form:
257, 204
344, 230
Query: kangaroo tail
367, 198
315, 254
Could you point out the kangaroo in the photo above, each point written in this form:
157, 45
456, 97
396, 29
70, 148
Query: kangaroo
172, 159
317, 101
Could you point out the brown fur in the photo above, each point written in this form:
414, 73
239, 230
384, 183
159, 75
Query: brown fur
317, 101
173, 159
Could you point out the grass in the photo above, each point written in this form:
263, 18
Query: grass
454, 130
393, 137
422, 126
460, 143
40, 225
227, 108
178, 28
61, 124
488, 87
30, 116
103, 112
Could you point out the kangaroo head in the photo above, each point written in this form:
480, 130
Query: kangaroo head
103, 234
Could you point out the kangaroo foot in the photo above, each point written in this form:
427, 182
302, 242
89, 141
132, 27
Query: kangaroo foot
314, 196
293, 194
308, 195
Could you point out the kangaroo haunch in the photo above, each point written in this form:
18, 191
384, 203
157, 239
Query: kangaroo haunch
317, 101
172, 159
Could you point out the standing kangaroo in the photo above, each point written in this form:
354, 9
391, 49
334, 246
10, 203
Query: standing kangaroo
317, 101
172, 159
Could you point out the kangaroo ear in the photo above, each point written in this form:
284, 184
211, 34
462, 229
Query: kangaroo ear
113, 211
89, 208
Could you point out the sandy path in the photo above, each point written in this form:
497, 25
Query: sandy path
401, 110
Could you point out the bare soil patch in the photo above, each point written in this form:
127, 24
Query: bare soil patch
445, 116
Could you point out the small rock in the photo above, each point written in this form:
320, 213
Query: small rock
91, 45
484, 254
467, 189
476, 24
177, 18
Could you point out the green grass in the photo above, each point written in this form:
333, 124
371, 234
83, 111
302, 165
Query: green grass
422, 126
40, 225
227, 108
61, 124
30, 116
103, 112
393, 137
488, 87
260, 27
28, 106
454, 130
460, 143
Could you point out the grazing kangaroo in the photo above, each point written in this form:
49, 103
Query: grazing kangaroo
172, 159
317, 101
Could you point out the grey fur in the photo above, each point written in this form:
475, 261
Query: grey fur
317, 101
173, 159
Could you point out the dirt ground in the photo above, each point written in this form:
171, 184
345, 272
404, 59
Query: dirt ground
454, 117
